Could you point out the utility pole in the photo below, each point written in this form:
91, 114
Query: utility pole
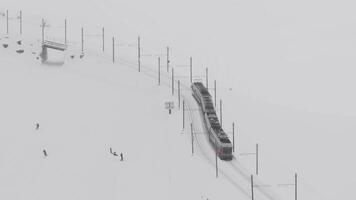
172, 81
233, 137
178, 94
103, 34
215, 93
20, 22
139, 53
65, 31
216, 164
221, 113
159, 71
206, 78
167, 59
191, 131
82, 40
191, 69
7, 22
295, 187
252, 196
113, 48
256, 159
183, 114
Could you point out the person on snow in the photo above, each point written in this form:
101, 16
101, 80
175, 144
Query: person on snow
121, 157
45, 152
37, 126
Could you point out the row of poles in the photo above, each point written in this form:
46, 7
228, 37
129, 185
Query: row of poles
159, 83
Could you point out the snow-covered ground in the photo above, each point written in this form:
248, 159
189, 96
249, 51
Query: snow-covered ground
284, 72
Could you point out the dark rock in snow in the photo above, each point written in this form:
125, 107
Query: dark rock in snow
5, 45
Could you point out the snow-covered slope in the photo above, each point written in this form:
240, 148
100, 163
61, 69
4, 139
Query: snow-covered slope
284, 72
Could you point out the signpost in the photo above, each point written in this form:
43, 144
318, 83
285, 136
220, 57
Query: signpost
169, 105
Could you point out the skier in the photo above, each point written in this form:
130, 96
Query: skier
37, 126
45, 152
110, 150
121, 157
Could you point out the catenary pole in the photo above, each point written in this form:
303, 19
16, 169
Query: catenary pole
65, 31
139, 53
295, 186
216, 164
191, 131
172, 81
167, 59
191, 69
252, 195
183, 114
215, 93
103, 38
206, 78
178, 94
233, 137
221, 119
7, 22
82, 40
159, 71
113, 49
256, 159
20, 22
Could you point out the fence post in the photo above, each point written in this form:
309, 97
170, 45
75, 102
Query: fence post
7, 22
295, 187
206, 78
215, 93
183, 114
216, 164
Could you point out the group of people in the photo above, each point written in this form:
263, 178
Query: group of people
37, 126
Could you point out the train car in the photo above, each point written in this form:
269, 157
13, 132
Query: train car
216, 134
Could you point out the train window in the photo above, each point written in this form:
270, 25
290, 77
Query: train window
227, 150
